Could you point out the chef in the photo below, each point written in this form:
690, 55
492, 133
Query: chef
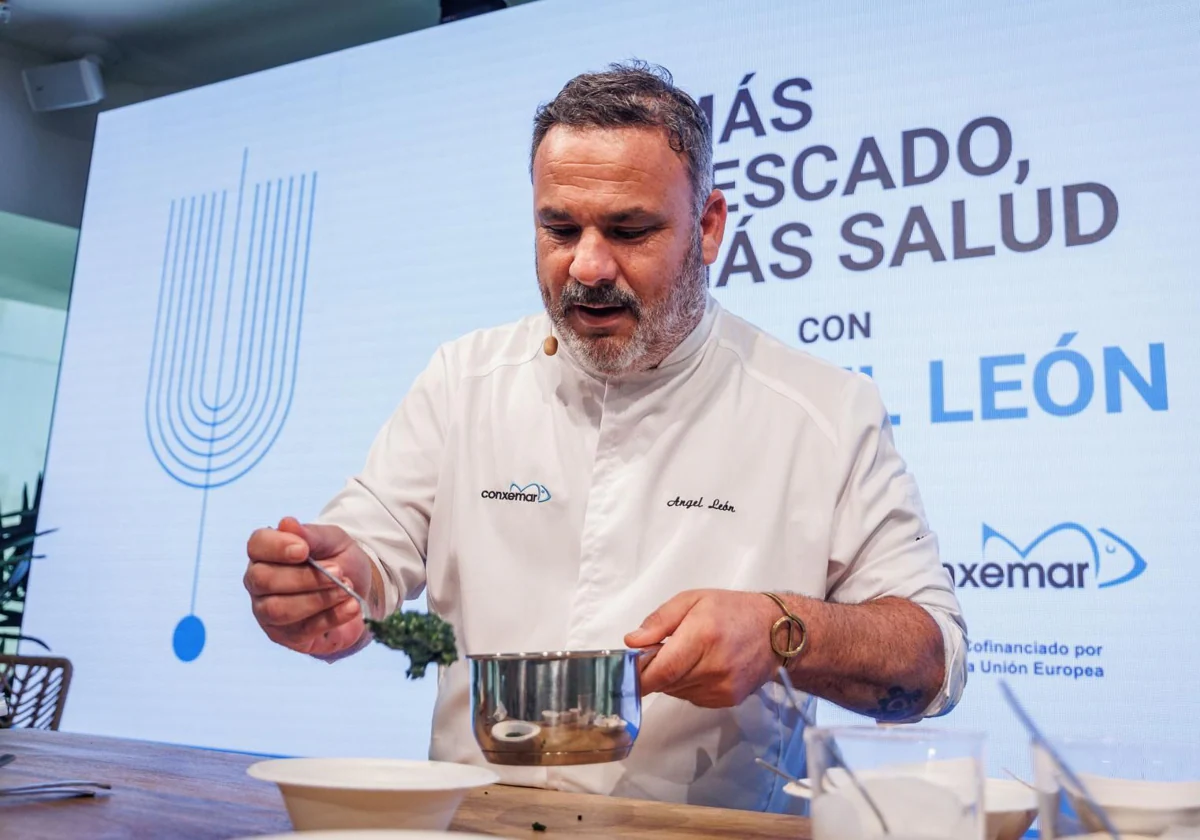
635, 464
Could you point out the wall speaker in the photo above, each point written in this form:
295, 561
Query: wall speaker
70, 84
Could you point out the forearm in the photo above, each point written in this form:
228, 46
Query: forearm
883, 658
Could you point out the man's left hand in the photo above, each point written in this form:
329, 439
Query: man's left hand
719, 650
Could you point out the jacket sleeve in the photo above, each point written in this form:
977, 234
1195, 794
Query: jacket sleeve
881, 543
386, 507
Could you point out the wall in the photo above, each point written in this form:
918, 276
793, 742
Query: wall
43, 157
36, 260
30, 343
44, 160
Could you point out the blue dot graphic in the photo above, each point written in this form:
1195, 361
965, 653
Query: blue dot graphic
189, 638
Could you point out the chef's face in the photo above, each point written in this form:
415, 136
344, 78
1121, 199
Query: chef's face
620, 249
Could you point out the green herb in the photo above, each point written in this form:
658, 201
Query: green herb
424, 637
538, 827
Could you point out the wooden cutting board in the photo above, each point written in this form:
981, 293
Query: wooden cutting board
503, 811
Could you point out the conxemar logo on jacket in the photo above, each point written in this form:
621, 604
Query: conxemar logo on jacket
1064, 556
533, 492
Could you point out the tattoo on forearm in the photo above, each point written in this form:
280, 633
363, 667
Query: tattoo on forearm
898, 704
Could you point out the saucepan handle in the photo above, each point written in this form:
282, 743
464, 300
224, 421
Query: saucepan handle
647, 655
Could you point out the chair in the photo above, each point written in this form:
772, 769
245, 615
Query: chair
36, 690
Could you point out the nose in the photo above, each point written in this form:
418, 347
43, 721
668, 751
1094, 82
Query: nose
593, 263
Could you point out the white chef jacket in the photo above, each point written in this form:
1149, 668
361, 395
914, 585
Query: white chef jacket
799, 485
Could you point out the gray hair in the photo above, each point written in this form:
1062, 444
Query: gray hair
635, 94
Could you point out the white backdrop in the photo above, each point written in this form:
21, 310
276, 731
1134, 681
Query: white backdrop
1044, 394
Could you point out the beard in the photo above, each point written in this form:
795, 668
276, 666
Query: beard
659, 327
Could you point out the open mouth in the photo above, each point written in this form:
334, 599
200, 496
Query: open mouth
599, 316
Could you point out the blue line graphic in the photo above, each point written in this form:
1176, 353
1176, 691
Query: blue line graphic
211, 414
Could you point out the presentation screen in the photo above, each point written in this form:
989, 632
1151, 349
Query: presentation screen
988, 208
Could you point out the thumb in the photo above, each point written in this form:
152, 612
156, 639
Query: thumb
323, 540
664, 620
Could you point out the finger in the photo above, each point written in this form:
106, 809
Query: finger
664, 620
671, 667
305, 635
276, 579
322, 540
267, 545
289, 610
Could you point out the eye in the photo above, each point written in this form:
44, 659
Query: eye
631, 233
560, 231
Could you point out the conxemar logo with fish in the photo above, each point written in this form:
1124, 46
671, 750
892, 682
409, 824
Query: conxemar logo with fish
533, 492
1064, 556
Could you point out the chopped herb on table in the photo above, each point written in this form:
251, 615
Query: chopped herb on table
424, 637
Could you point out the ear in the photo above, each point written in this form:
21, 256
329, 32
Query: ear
712, 226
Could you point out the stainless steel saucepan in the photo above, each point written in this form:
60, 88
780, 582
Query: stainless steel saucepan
557, 708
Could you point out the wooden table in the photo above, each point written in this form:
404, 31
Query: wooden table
162, 791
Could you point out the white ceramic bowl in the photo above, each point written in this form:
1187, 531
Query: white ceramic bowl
347, 793
1010, 806
1141, 807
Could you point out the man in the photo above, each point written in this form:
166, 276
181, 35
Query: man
674, 463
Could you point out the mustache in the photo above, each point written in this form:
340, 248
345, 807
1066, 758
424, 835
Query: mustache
577, 294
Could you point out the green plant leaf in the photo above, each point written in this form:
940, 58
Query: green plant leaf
424, 637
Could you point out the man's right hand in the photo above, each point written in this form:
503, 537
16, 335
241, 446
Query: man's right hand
297, 606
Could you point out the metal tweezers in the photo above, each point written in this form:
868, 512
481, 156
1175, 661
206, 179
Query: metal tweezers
67, 787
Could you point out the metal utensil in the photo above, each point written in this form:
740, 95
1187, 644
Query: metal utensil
1035, 734
1017, 778
781, 774
56, 784
794, 698
556, 708
67, 793
362, 602
65, 787
834, 751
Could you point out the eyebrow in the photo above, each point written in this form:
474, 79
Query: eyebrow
639, 214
